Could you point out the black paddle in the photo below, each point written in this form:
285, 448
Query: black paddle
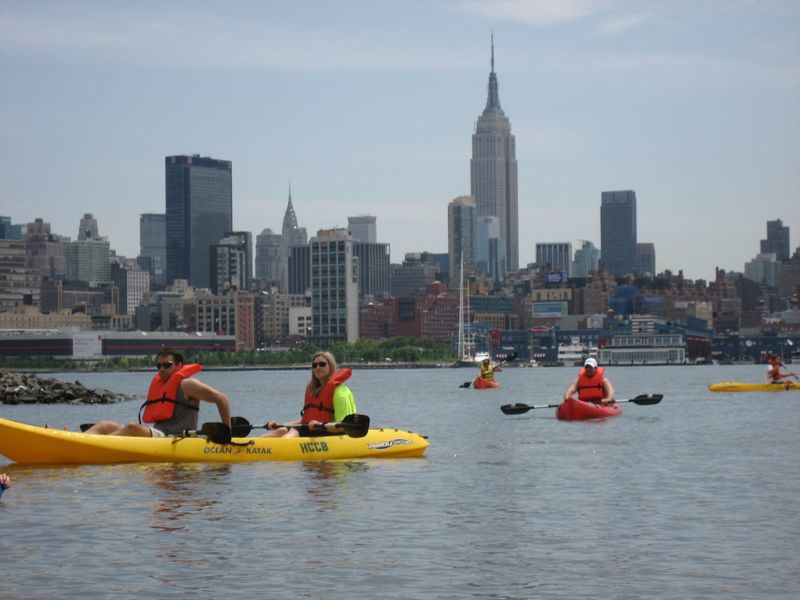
519, 408
513, 356
354, 425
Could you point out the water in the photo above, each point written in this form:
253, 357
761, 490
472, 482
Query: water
695, 497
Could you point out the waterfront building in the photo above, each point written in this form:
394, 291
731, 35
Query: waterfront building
555, 256
199, 210
363, 228
133, 283
587, 259
153, 245
461, 233
493, 177
227, 314
282, 316
618, 232
777, 241
88, 260
643, 349
334, 287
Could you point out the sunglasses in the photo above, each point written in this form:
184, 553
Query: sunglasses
165, 365
321, 363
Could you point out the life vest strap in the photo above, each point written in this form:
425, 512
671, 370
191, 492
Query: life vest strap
176, 402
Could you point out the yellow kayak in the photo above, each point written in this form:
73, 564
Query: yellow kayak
29, 444
737, 386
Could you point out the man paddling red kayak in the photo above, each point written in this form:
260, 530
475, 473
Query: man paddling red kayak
591, 385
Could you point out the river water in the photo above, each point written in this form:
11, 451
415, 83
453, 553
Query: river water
696, 497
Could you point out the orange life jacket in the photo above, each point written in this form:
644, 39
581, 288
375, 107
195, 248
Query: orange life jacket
162, 397
320, 407
590, 389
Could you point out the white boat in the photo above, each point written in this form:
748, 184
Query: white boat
574, 353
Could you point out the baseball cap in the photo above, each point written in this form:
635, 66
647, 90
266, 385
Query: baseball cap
590, 362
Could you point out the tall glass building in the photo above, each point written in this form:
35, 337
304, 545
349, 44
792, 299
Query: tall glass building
461, 232
493, 176
153, 243
618, 232
199, 209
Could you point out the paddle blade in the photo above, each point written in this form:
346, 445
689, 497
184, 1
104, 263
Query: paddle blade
466, 384
240, 427
219, 433
515, 409
647, 399
85, 426
355, 425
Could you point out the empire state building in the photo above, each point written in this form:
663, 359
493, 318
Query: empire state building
493, 184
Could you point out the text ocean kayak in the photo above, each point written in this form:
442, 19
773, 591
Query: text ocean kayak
31, 444
573, 409
738, 386
484, 384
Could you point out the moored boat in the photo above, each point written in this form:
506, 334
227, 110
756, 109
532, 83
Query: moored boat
32, 444
573, 409
479, 383
740, 386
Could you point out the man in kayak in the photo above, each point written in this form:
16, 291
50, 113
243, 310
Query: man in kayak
173, 401
774, 374
592, 385
5, 483
488, 370
327, 399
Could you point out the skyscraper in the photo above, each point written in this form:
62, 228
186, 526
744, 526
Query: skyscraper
618, 232
363, 228
493, 175
586, 259
334, 286
555, 256
153, 244
268, 257
777, 240
199, 209
461, 232
291, 235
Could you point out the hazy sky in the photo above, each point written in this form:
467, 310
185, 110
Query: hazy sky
368, 107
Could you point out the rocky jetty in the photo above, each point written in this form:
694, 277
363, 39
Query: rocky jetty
19, 388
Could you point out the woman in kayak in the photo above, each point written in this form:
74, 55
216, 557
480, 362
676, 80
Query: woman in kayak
592, 385
774, 374
327, 399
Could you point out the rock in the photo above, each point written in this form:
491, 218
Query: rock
20, 388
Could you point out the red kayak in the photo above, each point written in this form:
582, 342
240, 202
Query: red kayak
480, 383
578, 410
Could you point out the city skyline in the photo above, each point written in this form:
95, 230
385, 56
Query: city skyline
691, 105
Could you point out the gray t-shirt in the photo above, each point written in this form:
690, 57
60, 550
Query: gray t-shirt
182, 418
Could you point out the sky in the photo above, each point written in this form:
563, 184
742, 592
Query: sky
368, 107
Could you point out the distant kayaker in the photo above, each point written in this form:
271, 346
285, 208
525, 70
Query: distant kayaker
488, 369
5, 483
173, 401
327, 399
774, 374
592, 384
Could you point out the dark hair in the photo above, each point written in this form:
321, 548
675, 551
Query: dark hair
176, 356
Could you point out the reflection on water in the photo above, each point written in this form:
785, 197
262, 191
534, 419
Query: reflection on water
181, 490
327, 481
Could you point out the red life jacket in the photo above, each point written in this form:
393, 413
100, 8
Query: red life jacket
590, 389
320, 407
162, 397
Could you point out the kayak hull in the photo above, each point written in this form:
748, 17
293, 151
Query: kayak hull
739, 386
480, 383
31, 444
573, 409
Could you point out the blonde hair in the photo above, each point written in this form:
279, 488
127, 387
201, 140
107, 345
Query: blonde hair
314, 384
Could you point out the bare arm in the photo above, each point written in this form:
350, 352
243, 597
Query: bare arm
571, 390
610, 393
195, 389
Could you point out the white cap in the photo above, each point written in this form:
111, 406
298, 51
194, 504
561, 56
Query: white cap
590, 362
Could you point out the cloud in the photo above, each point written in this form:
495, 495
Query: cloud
619, 25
